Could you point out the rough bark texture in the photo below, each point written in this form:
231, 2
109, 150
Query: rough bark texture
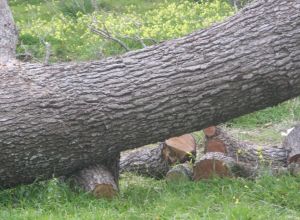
292, 143
179, 149
101, 180
60, 118
96, 179
147, 161
156, 161
8, 35
179, 173
248, 152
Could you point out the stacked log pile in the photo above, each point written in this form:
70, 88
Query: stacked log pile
175, 160
224, 156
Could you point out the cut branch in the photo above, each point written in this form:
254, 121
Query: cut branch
107, 35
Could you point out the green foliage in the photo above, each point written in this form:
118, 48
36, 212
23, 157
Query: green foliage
146, 198
72, 39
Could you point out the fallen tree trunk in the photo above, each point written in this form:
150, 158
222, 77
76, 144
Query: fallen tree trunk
61, 118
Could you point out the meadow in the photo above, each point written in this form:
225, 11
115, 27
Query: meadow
66, 26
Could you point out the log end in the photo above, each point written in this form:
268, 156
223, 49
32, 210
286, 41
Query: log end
210, 131
179, 173
179, 149
215, 146
105, 191
209, 168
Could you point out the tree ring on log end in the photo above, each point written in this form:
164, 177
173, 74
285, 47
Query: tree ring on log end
210, 168
210, 131
215, 146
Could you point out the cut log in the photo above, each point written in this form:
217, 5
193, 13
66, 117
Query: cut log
214, 145
102, 180
96, 179
61, 118
146, 161
179, 173
216, 164
292, 143
212, 164
179, 149
210, 131
246, 152
155, 161
294, 169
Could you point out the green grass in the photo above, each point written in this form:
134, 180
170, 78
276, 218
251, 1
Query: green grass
287, 111
145, 198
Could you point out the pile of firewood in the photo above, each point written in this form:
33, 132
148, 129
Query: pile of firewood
223, 156
179, 158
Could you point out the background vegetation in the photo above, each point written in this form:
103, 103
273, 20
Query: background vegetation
67, 25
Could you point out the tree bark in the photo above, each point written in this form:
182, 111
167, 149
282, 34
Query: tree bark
179, 173
147, 161
156, 161
8, 35
245, 152
96, 180
61, 118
